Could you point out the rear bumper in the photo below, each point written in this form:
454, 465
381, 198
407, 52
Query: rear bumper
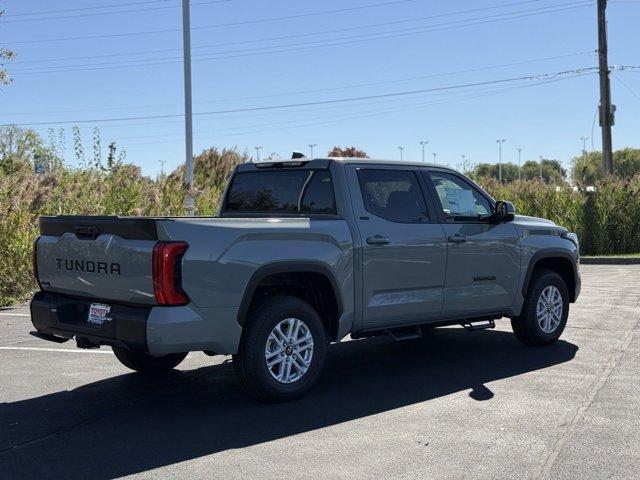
156, 330
66, 317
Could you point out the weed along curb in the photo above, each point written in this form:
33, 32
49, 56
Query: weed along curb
610, 260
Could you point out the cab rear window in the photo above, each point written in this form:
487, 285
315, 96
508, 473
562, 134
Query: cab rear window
282, 191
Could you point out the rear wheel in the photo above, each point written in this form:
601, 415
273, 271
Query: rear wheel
545, 310
149, 364
282, 350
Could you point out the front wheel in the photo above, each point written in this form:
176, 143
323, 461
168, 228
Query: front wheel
283, 349
545, 310
144, 363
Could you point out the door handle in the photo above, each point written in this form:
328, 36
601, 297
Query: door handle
378, 240
457, 238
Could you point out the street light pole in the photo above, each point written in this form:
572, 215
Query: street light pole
519, 163
423, 143
311, 145
465, 160
500, 142
584, 144
401, 149
541, 179
188, 114
435, 156
258, 153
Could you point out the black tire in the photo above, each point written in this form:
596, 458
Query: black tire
148, 364
250, 362
526, 327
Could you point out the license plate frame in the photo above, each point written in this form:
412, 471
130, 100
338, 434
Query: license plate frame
98, 313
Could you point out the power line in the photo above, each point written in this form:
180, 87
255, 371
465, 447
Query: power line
81, 9
285, 37
245, 115
230, 24
115, 12
319, 102
333, 118
407, 103
624, 84
319, 90
290, 47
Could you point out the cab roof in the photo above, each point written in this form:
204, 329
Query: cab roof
348, 160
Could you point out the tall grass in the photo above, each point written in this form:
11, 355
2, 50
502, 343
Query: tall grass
607, 219
121, 190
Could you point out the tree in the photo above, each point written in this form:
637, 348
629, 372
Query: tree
5, 55
347, 152
23, 148
491, 170
552, 171
586, 169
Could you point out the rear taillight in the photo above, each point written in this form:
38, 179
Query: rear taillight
167, 273
34, 260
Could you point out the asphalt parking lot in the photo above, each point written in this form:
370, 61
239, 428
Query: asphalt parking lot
453, 405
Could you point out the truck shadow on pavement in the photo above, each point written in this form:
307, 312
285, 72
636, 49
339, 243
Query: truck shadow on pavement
127, 424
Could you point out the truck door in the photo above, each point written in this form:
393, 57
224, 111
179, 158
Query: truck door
483, 259
403, 246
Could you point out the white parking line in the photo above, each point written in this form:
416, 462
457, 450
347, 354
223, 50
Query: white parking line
67, 350
15, 314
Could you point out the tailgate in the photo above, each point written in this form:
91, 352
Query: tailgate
105, 258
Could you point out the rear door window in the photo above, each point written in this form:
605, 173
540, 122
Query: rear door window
284, 191
394, 195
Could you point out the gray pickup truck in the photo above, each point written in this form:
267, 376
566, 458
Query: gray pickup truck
303, 253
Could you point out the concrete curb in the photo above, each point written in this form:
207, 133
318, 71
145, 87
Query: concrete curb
610, 260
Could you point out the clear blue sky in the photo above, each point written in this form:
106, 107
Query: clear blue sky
256, 61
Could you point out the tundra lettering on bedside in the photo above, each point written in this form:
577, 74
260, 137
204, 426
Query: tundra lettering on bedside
88, 266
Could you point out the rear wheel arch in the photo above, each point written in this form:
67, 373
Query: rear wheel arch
312, 282
559, 261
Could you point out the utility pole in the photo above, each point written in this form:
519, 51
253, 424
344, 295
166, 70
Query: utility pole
500, 142
188, 115
606, 109
435, 157
423, 143
161, 162
584, 144
519, 163
258, 153
401, 149
311, 145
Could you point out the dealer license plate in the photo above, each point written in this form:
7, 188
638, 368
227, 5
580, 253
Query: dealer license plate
98, 313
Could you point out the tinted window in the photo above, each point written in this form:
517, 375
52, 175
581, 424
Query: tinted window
286, 191
460, 200
393, 194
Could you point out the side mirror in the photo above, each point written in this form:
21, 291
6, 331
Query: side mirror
505, 211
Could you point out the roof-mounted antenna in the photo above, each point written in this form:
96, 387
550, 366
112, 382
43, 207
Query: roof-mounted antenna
295, 155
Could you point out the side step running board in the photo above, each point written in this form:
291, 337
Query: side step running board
474, 327
49, 337
404, 333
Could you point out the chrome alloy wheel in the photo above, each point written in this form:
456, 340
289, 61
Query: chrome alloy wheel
549, 309
289, 350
